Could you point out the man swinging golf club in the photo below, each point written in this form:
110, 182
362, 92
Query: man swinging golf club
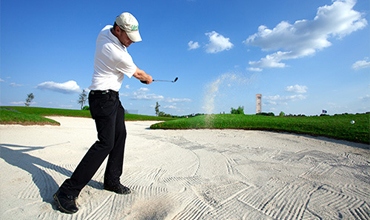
112, 62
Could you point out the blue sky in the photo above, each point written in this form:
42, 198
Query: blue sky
302, 56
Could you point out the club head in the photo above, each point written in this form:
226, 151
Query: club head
176, 79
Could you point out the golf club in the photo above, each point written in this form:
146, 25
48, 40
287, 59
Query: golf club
157, 80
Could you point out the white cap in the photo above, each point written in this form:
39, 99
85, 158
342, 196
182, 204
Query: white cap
129, 24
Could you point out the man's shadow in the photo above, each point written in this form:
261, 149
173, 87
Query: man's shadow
44, 181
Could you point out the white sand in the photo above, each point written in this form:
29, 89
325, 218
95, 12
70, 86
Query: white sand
191, 174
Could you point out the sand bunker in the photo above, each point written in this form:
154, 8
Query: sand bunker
191, 174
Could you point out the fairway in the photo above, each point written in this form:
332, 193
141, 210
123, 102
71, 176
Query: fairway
352, 127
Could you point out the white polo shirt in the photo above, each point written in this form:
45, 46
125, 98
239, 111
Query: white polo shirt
112, 62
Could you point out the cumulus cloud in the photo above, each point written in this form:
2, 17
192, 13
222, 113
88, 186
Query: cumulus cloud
66, 88
365, 99
296, 89
143, 94
361, 64
15, 85
177, 100
193, 45
169, 107
19, 103
254, 69
217, 43
283, 100
305, 37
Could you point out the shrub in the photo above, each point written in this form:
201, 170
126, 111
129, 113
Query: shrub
239, 111
266, 114
163, 114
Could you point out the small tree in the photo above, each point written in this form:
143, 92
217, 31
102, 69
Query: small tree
29, 99
82, 98
240, 110
157, 109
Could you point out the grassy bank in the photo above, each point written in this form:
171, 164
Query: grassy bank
10, 116
33, 115
338, 126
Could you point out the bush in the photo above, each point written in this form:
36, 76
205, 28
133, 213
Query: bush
86, 107
239, 111
266, 114
162, 114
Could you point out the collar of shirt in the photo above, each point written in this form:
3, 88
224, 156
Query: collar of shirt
115, 39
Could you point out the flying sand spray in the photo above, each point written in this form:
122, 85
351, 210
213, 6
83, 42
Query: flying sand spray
213, 89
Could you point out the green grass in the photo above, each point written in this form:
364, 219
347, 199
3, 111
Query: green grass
338, 126
33, 115
50, 111
8, 116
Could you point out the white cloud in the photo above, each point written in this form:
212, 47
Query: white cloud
127, 86
305, 37
141, 94
142, 89
66, 88
15, 85
22, 103
296, 89
170, 107
177, 100
217, 43
361, 64
254, 69
193, 45
365, 99
18, 103
1, 80
282, 100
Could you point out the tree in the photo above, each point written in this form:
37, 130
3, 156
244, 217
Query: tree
82, 98
157, 109
29, 99
240, 110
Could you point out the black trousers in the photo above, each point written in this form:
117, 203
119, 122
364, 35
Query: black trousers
109, 116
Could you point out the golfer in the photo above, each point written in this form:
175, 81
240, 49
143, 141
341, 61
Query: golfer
112, 62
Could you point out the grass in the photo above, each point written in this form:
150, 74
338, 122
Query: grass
34, 115
9, 116
338, 126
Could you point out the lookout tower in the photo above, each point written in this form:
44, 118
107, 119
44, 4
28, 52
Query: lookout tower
258, 104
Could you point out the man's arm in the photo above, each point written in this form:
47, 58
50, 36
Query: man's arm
143, 76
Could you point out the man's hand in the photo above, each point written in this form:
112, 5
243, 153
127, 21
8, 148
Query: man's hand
143, 76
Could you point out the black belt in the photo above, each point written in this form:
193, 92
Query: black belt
103, 92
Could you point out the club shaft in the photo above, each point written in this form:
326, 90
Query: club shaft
158, 80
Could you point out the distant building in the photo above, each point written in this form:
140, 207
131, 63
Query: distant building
258, 104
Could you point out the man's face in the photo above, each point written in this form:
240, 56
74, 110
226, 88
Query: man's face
123, 38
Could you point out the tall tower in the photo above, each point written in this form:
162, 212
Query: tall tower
258, 104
